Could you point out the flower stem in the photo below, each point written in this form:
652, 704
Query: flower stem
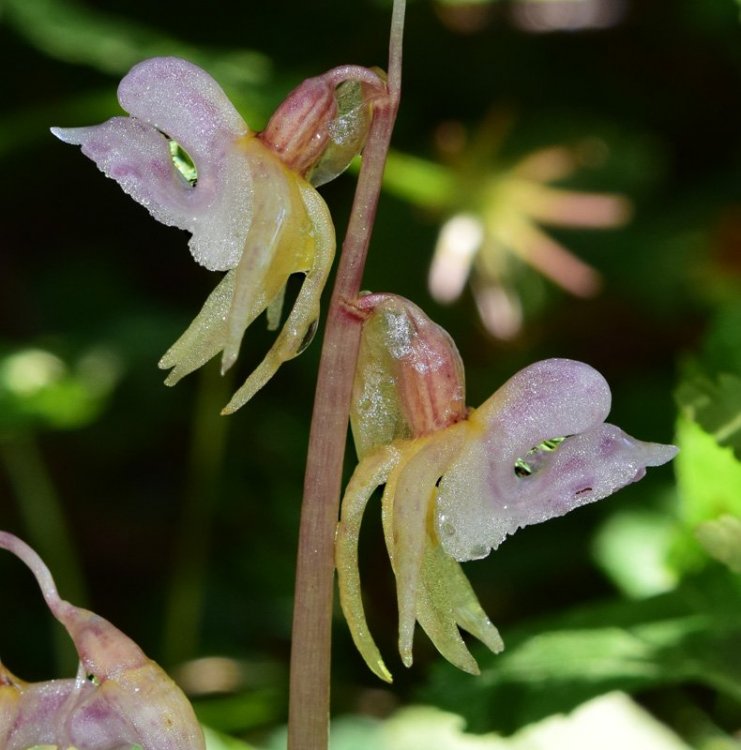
308, 724
42, 512
192, 544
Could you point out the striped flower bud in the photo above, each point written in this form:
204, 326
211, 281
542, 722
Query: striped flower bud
409, 380
322, 124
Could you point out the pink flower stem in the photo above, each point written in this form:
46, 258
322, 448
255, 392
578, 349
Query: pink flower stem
308, 724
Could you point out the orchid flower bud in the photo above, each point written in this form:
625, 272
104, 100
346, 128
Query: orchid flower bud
458, 483
409, 379
322, 124
244, 198
119, 699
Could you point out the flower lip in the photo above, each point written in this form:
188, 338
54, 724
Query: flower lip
169, 98
481, 499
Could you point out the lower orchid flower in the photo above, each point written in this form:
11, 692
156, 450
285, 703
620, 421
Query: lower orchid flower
459, 481
248, 199
119, 699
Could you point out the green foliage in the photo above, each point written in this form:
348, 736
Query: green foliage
74, 32
715, 406
632, 547
692, 634
612, 721
722, 540
37, 388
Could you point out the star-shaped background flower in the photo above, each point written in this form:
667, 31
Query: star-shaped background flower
495, 232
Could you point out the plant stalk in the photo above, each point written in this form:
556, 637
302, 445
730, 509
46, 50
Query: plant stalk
308, 723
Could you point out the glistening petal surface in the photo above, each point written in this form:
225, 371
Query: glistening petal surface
169, 98
482, 500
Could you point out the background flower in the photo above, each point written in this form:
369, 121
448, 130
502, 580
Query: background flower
500, 229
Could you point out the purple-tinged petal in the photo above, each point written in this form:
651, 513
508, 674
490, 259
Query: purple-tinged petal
183, 101
130, 702
482, 499
548, 399
137, 156
170, 98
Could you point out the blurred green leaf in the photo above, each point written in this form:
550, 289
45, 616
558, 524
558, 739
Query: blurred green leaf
692, 634
631, 547
39, 389
610, 722
241, 711
70, 31
218, 741
708, 481
715, 406
722, 540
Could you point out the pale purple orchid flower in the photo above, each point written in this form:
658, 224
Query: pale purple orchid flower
251, 207
459, 481
120, 699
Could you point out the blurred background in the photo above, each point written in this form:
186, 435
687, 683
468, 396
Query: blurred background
574, 169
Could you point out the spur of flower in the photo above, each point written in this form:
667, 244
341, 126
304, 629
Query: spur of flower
458, 481
248, 199
497, 229
119, 699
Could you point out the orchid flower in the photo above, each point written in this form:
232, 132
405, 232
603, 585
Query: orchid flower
458, 481
247, 199
498, 230
119, 699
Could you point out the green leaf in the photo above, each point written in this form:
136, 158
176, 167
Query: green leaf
611, 721
631, 548
722, 540
691, 635
218, 741
38, 388
76, 33
715, 406
708, 478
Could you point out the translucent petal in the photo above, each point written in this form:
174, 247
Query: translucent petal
369, 474
301, 321
436, 616
449, 594
182, 100
460, 239
481, 500
137, 156
414, 498
278, 243
292, 233
170, 98
204, 338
